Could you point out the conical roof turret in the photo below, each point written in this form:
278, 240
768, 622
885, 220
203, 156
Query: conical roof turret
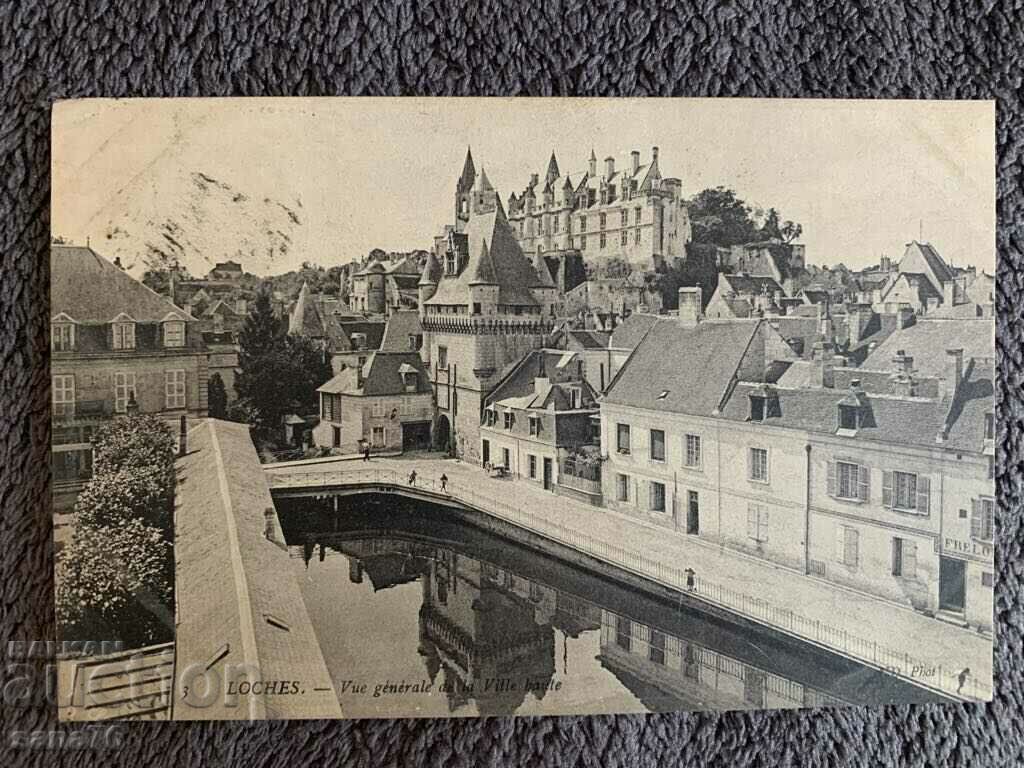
483, 271
552, 172
543, 273
483, 184
468, 173
431, 271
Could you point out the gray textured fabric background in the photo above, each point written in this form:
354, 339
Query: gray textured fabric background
55, 50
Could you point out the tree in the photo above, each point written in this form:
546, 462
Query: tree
720, 217
217, 398
775, 229
262, 329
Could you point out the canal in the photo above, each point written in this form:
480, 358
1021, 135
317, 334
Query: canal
419, 612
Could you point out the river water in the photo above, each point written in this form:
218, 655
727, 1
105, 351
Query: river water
420, 613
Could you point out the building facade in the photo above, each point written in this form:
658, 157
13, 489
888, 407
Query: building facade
626, 211
116, 346
483, 306
879, 479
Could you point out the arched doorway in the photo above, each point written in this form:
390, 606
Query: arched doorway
442, 433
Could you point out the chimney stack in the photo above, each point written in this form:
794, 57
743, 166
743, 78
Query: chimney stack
823, 356
609, 167
902, 362
949, 293
654, 155
690, 306
954, 372
634, 157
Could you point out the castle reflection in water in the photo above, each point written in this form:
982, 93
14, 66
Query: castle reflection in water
495, 621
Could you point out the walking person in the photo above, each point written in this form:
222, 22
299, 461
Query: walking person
444, 483
366, 451
690, 579
962, 678
412, 477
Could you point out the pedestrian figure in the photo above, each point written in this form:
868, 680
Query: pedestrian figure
412, 477
444, 482
962, 678
366, 452
690, 581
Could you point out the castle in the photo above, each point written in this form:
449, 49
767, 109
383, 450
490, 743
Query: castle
628, 211
483, 305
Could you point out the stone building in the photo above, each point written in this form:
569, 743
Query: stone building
878, 478
115, 346
483, 306
624, 210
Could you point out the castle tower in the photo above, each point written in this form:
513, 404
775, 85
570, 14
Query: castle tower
544, 288
485, 198
464, 191
483, 285
427, 285
552, 172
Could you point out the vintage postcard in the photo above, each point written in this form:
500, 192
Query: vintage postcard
463, 407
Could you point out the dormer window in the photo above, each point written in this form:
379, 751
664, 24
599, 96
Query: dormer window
509, 419
174, 332
849, 417
990, 426
123, 329
534, 424
62, 334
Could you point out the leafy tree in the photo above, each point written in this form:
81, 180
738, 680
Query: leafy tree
775, 229
134, 444
217, 398
720, 217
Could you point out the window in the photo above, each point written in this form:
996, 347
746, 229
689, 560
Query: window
848, 417
622, 439
62, 337
636, 214
757, 463
327, 407
534, 424
692, 453
174, 389
624, 218
124, 390
583, 242
847, 545
583, 223
657, 497
991, 467
124, 335
532, 462
990, 426
757, 522
337, 437
442, 357
624, 237
983, 514
904, 558
657, 445
506, 458
64, 395
554, 222
377, 409
378, 437
986, 578
477, 308
622, 488
360, 365
623, 632
847, 480
906, 491
656, 648
603, 240
636, 235
509, 419
174, 333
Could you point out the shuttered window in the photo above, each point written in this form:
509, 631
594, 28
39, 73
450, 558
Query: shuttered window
904, 558
983, 513
657, 497
124, 390
847, 546
757, 522
906, 491
174, 389
848, 480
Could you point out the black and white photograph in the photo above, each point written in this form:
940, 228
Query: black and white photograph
467, 407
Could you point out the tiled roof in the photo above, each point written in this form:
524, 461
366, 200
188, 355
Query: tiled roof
381, 376
591, 339
966, 417
931, 257
90, 289
512, 271
752, 285
630, 331
927, 341
402, 324
683, 369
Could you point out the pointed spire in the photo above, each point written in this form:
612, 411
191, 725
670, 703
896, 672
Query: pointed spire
468, 173
543, 273
593, 155
431, 271
483, 183
553, 172
484, 272
568, 184
305, 320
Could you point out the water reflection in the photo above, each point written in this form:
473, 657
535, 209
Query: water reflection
472, 624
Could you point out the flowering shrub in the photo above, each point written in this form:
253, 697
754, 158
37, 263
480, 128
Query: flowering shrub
115, 578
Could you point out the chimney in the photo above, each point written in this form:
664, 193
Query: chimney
949, 293
634, 158
690, 306
823, 356
592, 165
904, 317
609, 167
654, 155
540, 383
950, 384
902, 362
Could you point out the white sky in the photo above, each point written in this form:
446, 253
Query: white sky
863, 177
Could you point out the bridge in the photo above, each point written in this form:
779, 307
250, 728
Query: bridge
916, 648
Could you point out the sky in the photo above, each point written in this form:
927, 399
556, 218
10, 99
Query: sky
862, 177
